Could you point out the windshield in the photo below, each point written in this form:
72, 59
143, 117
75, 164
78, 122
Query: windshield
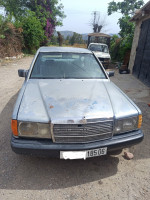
66, 65
99, 47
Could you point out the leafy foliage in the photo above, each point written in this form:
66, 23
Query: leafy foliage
119, 46
14, 8
127, 8
76, 38
33, 32
53, 40
126, 26
114, 47
3, 26
11, 40
49, 14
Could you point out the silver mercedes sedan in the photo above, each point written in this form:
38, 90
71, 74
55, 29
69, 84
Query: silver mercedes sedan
69, 108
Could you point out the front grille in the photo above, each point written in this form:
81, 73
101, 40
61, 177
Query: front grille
82, 133
104, 59
101, 59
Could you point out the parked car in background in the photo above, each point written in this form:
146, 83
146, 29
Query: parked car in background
69, 108
102, 52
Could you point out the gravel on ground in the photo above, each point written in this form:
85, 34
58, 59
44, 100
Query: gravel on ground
107, 177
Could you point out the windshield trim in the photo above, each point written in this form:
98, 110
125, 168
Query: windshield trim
38, 53
67, 78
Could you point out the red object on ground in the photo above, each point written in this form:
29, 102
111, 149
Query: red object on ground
128, 155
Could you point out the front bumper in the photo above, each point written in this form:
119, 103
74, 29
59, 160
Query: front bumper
50, 149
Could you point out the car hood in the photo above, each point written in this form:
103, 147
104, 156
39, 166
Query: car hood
73, 101
101, 54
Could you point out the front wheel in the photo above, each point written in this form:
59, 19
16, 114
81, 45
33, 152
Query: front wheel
124, 71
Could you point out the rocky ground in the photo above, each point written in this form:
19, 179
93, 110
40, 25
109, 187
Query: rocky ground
107, 177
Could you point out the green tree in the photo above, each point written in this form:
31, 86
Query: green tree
49, 12
53, 40
14, 8
33, 32
3, 26
126, 27
127, 9
114, 47
76, 38
36, 17
67, 40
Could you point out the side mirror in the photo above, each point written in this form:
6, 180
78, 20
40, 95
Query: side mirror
110, 73
22, 73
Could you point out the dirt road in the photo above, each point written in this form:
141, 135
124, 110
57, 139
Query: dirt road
108, 177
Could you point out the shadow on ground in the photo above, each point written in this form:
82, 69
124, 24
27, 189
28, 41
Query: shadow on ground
142, 150
32, 173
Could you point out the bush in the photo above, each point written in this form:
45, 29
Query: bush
11, 40
120, 46
53, 40
76, 38
115, 47
3, 26
33, 32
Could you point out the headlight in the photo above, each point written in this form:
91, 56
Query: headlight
125, 125
35, 130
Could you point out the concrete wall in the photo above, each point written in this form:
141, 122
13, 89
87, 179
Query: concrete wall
135, 41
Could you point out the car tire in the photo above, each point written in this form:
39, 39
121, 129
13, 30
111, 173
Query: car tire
124, 71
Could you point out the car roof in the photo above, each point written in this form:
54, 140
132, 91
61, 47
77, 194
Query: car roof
64, 49
98, 44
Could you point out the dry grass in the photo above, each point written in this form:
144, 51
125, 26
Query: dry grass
75, 45
12, 44
80, 45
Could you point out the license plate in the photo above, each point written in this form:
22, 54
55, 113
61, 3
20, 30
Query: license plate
96, 152
83, 154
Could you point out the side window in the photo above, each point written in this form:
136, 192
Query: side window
92, 48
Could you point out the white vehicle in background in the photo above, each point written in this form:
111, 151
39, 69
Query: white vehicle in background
102, 53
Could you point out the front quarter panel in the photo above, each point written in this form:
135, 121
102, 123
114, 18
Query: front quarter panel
21, 92
18, 101
123, 107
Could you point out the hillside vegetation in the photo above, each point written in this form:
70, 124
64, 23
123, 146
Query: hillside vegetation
11, 39
28, 25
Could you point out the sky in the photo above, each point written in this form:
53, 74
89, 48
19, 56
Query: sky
79, 14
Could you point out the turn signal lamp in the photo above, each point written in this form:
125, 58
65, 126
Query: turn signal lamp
140, 121
14, 127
